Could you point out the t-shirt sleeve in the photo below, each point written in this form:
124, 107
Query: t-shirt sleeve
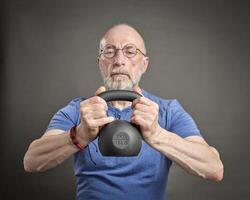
181, 122
66, 117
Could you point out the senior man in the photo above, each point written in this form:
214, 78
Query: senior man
169, 133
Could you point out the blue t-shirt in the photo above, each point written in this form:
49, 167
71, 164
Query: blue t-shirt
122, 178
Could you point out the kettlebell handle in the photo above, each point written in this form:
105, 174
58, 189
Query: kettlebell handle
119, 95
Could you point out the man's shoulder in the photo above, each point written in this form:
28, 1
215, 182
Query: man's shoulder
73, 104
76, 101
162, 102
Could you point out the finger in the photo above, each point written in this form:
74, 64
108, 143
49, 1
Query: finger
144, 115
142, 100
97, 114
92, 107
142, 122
94, 111
100, 90
143, 107
136, 101
138, 120
137, 89
146, 101
97, 106
95, 99
103, 121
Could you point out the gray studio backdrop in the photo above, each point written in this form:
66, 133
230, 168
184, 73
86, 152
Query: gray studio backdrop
199, 54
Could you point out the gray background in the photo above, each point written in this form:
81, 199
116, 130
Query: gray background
199, 54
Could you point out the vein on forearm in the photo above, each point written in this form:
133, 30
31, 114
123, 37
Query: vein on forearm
47, 144
193, 156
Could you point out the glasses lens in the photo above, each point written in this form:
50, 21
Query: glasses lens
109, 51
129, 51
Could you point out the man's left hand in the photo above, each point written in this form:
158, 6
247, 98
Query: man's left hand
145, 114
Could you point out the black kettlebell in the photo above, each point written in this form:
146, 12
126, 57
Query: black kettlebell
120, 137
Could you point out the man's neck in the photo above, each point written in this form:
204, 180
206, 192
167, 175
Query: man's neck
121, 104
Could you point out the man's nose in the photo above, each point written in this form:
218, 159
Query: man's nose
119, 58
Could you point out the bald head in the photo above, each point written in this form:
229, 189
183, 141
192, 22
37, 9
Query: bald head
121, 34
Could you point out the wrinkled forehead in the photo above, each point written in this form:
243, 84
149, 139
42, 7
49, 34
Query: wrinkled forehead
122, 36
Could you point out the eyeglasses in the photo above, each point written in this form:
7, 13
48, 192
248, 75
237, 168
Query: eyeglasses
129, 50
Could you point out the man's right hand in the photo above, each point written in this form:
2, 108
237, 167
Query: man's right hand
93, 116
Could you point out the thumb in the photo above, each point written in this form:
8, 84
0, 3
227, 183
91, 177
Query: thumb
137, 89
100, 90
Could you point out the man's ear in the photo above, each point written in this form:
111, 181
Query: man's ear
98, 62
145, 64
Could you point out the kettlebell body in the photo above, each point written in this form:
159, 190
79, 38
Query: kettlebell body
120, 137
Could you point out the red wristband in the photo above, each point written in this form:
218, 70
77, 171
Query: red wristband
73, 138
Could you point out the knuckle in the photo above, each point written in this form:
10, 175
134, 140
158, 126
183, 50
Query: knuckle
99, 107
102, 106
99, 99
140, 99
144, 99
135, 112
135, 102
85, 118
83, 103
137, 106
102, 121
95, 98
82, 112
103, 113
154, 113
136, 118
151, 118
83, 109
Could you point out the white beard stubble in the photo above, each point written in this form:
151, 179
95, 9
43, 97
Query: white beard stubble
120, 83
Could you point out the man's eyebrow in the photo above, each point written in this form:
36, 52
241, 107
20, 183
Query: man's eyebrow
109, 46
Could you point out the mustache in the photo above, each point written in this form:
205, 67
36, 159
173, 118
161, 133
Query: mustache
119, 72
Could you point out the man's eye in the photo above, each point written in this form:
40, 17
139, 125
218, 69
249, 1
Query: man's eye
109, 51
129, 52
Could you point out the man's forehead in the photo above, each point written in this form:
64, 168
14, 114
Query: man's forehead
122, 35
121, 40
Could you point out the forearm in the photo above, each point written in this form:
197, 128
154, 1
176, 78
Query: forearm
48, 151
196, 158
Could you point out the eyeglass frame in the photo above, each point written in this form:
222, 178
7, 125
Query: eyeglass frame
117, 49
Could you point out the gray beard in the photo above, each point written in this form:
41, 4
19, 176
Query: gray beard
111, 84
